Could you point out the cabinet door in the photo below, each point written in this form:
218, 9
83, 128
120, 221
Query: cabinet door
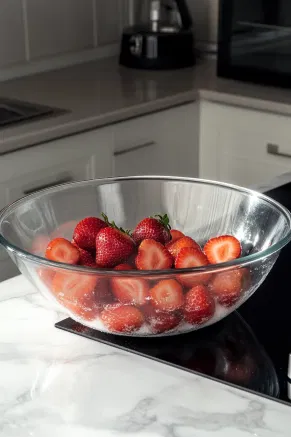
79, 157
164, 143
243, 146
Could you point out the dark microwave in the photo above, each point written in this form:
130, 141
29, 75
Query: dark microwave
254, 42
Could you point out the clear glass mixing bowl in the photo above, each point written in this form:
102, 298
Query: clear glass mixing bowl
199, 208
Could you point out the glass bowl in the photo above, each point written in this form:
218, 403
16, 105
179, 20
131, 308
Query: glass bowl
200, 209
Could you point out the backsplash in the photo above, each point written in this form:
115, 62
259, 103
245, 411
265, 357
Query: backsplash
35, 31
38, 35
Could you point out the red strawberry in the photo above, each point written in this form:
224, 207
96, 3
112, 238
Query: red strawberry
176, 235
102, 294
167, 295
86, 231
63, 251
153, 256
86, 259
124, 267
222, 249
130, 290
192, 257
174, 247
199, 305
152, 228
76, 292
113, 247
227, 287
160, 321
122, 318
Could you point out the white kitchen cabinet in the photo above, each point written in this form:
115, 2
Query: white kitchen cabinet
163, 143
243, 146
79, 157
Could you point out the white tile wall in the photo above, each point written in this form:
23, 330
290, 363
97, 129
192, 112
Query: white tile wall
12, 46
59, 26
40, 29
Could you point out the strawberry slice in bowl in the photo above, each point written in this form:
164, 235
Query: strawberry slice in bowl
160, 321
199, 305
222, 249
153, 256
175, 246
167, 295
122, 318
190, 257
227, 287
61, 250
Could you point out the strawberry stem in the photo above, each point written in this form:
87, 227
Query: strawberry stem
114, 225
164, 220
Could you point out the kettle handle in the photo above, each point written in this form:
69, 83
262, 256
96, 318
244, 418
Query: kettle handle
185, 14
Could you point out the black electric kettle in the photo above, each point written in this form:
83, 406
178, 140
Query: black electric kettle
160, 36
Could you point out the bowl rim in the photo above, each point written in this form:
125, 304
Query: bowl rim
239, 262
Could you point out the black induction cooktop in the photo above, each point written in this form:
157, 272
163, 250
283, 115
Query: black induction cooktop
249, 349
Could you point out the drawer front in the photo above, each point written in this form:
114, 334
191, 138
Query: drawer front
134, 134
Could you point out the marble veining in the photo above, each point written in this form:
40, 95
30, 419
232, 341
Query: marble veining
53, 383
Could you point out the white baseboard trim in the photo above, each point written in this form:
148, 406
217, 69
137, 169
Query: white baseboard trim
56, 62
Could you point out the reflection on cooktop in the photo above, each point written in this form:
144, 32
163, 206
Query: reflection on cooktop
226, 351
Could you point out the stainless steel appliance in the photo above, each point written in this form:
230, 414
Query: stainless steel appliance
255, 41
160, 35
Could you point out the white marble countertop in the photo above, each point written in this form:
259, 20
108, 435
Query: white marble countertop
53, 383
101, 92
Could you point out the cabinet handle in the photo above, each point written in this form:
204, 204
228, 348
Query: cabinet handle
52, 184
273, 149
132, 149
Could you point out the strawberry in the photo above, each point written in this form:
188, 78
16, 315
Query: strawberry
167, 295
174, 247
192, 257
61, 250
86, 259
199, 305
102, 294
124, 267
160, 321
227, 287
76, 292
222, 249
130, 290
86, 231
122, 318
113, 246
152, 228
153, 256
175, 234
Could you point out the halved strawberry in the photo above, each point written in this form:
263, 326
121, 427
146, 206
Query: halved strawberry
222, 249
160, 321
199, 305
174, 247
192, 257
227, 287
153, 228
130, 290
76, 291
113, 246
176, 235
124, 267
102, 294
153, 256
86, 231
61, 250
167, 295
122, 318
